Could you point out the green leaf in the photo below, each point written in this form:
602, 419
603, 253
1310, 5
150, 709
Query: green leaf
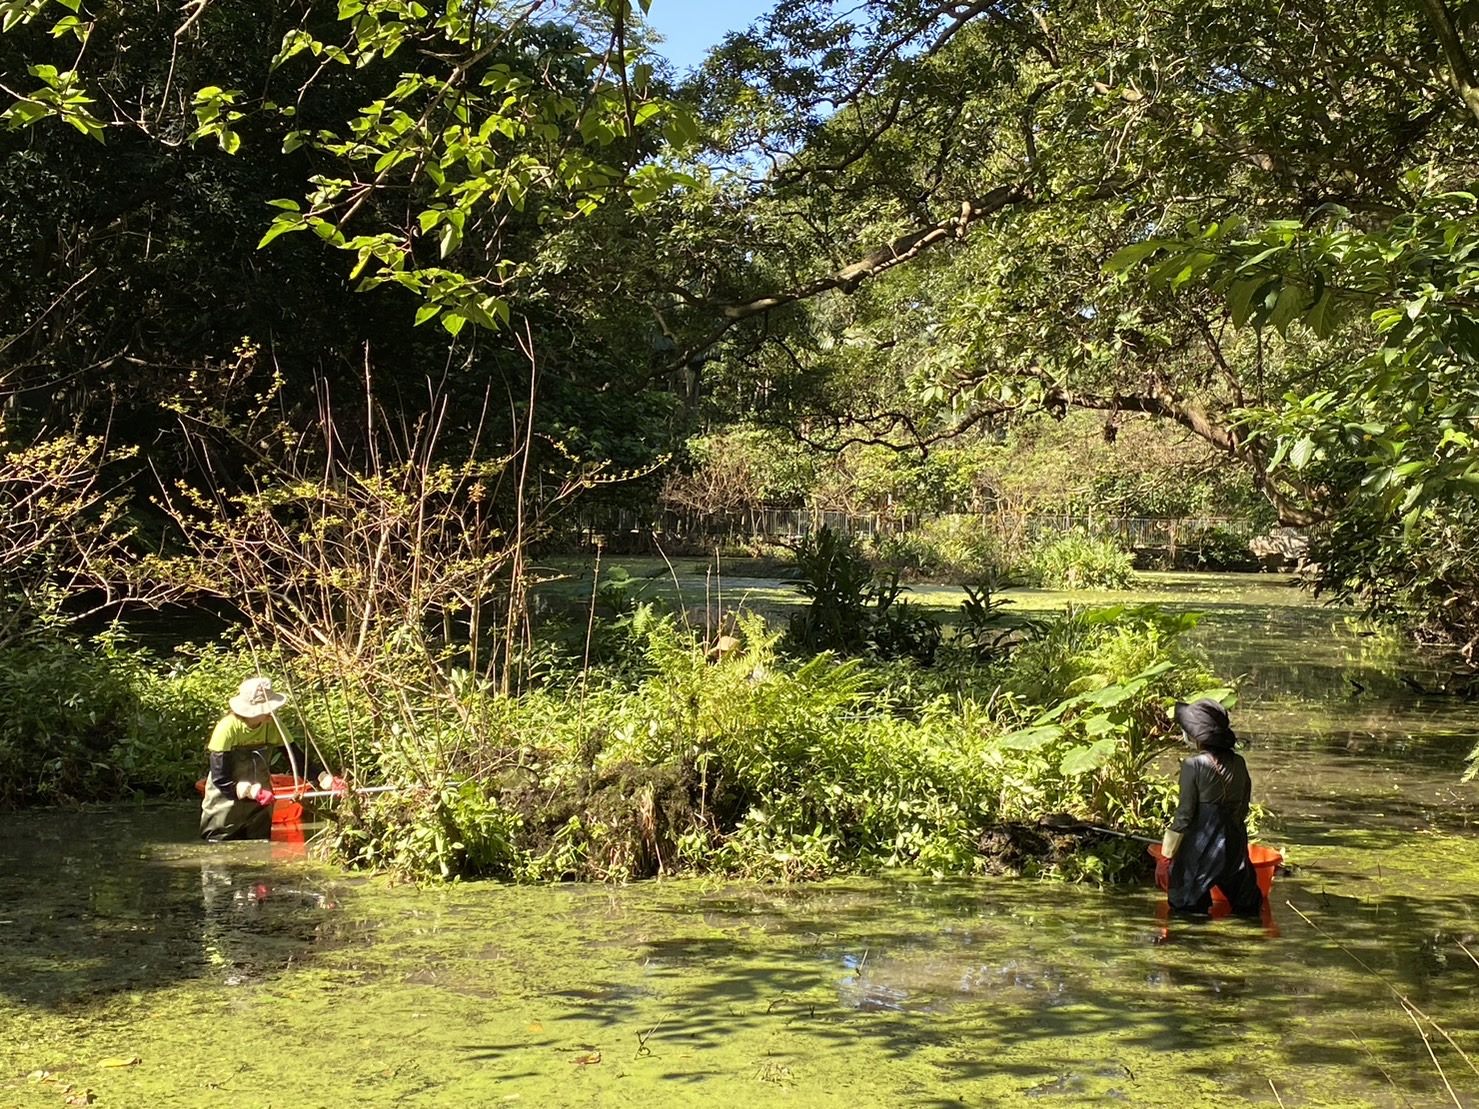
1224, 695
68, 23
1030, 739
449, 240
1243, 296
1287, 307
1319, 317
282, 225
1112, 695
1081, 760
1132, 255
1159, 668
681, 128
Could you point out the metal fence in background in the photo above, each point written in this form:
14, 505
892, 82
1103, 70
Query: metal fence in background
625, 528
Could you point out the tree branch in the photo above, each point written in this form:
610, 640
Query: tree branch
1461, 67
962, 15
1195, 420
848, 278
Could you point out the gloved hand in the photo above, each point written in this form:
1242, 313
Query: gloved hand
1171, 843
253, 791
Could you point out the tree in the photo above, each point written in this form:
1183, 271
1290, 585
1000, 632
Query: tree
452, 153
1251, 221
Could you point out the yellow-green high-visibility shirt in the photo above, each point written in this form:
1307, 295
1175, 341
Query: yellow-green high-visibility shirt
231, 732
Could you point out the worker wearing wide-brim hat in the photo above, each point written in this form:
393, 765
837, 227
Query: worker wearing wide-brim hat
238, 787
1207, 841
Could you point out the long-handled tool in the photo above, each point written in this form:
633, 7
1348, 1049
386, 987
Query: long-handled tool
317, 793
1065, 823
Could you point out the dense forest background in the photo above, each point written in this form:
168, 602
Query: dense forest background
857, 255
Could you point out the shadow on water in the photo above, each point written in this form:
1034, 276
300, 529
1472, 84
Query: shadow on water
1035, 990
98, 903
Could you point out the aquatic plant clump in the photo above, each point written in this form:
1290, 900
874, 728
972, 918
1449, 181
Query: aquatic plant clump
1078, 561
752, 765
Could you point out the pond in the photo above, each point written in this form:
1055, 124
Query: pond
139, 966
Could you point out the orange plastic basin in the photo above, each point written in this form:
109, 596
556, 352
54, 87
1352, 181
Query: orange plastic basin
1265, 861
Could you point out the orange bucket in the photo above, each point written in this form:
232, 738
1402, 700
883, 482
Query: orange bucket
285, 808
1265, 861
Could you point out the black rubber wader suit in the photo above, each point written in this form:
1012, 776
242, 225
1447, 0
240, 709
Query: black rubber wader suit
1213, 818
222, 815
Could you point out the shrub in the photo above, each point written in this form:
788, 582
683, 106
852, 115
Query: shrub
982, 630
675, 760
753, 765
1078, 561
852, 612
949, 548
1221, 548
831, 570
90, 719
1107, 675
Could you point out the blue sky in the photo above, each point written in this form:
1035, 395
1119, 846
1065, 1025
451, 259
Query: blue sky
692, 26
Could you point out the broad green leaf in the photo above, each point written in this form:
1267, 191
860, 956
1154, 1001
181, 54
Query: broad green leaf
1127, 257
1030, 739
1082, 760
1224, 695
1157, 669
1112, 695
1243, 296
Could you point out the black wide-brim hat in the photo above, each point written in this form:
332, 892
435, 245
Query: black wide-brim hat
1205, 723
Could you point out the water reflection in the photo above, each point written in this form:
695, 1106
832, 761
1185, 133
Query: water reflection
101, 903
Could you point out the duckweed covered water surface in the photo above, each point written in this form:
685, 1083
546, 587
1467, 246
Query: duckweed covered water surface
141, 967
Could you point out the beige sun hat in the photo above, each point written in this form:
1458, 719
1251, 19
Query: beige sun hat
256, 698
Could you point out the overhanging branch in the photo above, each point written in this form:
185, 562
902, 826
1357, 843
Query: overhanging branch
1195, 420
847, 279
1460, 65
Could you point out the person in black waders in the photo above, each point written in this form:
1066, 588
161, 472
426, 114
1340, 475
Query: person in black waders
238, 787
1207, 841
